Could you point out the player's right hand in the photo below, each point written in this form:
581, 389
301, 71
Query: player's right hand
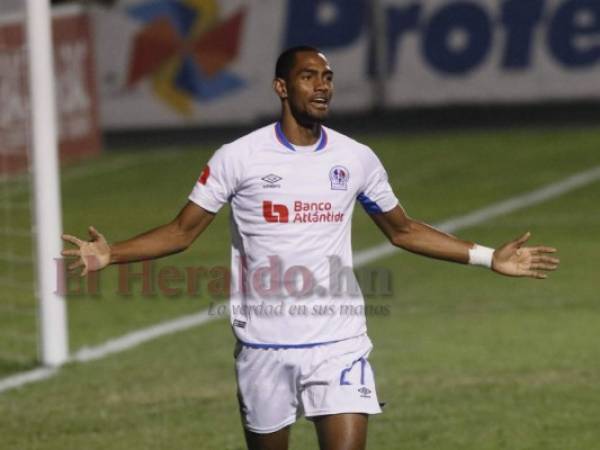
91, 255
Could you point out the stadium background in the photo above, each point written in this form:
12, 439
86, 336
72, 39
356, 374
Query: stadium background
483, 101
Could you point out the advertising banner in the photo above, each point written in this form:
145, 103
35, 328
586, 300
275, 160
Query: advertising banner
466, 51
75, 89
208, 62
176, 63
171, 63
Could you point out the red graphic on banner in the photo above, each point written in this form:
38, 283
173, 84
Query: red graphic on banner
77, 103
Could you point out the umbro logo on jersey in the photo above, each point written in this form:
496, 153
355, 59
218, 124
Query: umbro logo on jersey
339, 176
275, 213
271, 180
365, 392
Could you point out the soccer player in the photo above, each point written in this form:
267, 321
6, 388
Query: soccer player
292, 186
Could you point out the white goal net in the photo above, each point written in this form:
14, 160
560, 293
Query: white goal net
18, 303
33, 314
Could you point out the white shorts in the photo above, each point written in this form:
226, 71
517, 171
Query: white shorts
276, 386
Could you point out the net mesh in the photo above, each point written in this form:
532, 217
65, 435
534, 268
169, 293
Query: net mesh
18, 305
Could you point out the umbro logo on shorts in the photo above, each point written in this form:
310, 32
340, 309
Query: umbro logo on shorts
365, 392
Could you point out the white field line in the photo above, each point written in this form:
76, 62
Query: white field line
30, 376
361, 258
139, 337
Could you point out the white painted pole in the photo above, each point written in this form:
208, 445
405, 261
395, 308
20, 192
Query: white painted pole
52, 309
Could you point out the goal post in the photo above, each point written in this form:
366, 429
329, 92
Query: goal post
47, 210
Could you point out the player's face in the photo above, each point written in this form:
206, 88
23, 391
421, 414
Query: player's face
310, 87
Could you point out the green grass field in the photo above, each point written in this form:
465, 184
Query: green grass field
466, 359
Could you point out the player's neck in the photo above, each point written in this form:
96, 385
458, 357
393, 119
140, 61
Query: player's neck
299, 134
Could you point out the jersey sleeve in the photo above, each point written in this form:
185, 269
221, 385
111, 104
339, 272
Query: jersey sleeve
376, 194
217, 182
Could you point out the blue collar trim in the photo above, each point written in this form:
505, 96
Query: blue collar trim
323, 141
284, 141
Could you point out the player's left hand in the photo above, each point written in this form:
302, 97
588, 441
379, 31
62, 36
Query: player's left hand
516, 260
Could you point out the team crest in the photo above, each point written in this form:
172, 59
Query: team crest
339, 177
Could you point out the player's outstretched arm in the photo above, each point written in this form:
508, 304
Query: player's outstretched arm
167, 239
511, 259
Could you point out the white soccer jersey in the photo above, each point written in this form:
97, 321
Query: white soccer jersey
292, 282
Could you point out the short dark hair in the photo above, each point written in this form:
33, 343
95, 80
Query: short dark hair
286, 60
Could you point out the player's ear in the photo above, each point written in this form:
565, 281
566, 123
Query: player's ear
280, 88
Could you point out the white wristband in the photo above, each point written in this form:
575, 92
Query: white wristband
481, 256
